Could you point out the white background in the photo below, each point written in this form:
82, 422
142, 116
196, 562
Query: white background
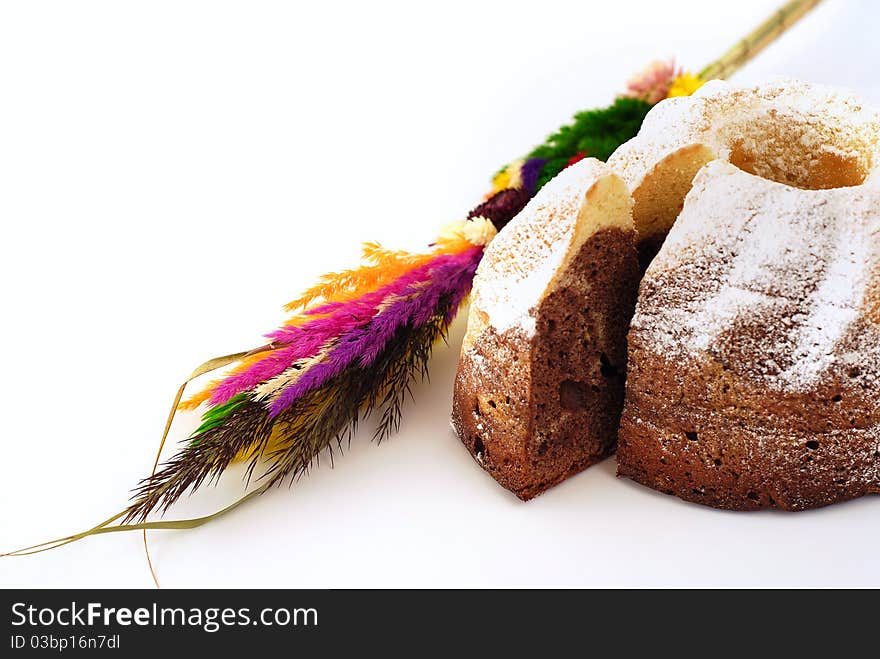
172, 172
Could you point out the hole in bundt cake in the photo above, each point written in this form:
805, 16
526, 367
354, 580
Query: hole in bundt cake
572, 395
854, 372
797, 154
691, 435
754, 496
608, 369
717, 462
479, 449
787, 147
837, 398
493, 405
812, 444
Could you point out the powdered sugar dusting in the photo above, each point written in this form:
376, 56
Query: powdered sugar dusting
781, 120
772, 278
835, 307
521, 262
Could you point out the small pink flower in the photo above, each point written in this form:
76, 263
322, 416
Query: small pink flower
653, 82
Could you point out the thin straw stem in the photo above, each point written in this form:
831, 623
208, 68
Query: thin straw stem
761, 37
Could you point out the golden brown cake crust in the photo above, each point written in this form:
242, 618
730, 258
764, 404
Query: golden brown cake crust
715, 453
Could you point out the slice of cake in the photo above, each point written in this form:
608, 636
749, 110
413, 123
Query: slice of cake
540, 384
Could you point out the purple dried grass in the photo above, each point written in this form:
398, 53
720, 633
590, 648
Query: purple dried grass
451, 277
343, 320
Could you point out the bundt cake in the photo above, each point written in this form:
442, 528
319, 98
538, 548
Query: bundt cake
754, 353
540, 384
